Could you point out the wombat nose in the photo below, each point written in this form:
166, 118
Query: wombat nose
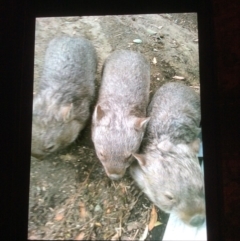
115, 176
197, 220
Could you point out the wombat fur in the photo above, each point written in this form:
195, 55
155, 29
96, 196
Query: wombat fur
66, 90
119, 119
167, 168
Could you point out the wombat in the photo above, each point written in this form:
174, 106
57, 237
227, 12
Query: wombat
119, 119
66, 90
167, 168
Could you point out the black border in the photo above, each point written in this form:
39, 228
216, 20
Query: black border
17, 88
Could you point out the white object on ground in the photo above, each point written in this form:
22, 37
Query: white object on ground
177, 230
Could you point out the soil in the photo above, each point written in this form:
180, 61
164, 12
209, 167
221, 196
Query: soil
70, 195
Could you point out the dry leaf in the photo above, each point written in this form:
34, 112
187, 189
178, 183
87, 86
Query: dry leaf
33, 237
115, 237
82, 210
123, 190
144, 235
80, 236
154, 60
59, 217
178, 77
157, 224
153, 218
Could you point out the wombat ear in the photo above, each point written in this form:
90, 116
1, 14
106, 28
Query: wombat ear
98, 113
66, 112
141, 123
169, 196
140, 158
195, 145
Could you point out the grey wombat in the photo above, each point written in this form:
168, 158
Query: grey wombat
119, 118
66, 90
167, 169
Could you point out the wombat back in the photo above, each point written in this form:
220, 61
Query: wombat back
175, 112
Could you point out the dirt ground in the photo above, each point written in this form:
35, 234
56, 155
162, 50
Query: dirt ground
70, 195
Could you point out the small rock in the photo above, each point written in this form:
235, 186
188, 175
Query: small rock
137, 41
97, 208
154, 60
151, 32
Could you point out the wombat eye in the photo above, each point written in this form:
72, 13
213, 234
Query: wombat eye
169, 196
49, 148
100, 154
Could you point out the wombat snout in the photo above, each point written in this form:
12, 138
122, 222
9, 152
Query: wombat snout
197, 220
115, 176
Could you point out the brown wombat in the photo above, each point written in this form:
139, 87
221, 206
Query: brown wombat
167, 168
66, 90
119, 118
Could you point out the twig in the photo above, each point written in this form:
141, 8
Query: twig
114, 184
85, 181
135, 235
109, 236
90, 233
120, 225
136, 200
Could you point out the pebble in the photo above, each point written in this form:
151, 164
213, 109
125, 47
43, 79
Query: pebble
97, 208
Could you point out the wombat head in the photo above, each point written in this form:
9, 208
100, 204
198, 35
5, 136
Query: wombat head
115, 139
171, 177
53, 128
